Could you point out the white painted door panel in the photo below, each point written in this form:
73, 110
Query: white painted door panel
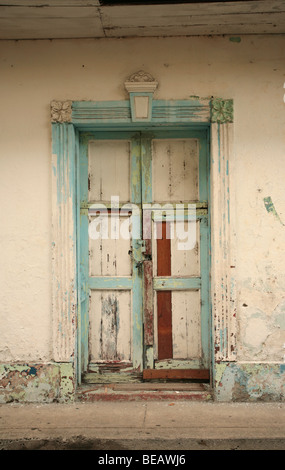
109, 256
109, 170
175, 170
110, 326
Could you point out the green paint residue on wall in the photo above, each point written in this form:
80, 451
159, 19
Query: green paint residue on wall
219, 371
67, 382
249, 382
39, 383
269, 206
235, 39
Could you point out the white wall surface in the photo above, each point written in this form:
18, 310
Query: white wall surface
33, 73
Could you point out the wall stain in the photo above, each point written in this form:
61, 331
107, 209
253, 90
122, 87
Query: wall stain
235, 39
269, 206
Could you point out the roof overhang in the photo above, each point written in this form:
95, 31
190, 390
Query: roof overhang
56, 19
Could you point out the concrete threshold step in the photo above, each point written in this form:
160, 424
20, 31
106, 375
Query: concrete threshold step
144, 391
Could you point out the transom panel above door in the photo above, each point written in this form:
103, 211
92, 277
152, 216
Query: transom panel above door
144, 255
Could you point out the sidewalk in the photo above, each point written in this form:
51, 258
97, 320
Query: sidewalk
143, 425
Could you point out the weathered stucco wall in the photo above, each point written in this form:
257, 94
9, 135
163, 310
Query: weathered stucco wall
249, 69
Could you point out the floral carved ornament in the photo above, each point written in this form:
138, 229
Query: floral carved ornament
61, 111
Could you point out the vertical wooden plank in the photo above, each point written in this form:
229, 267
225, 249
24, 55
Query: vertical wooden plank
79, 306
148, 297
205, 301
136, 170
137, 301
83, 254
203, 146
164, 325
164, 314
146, 163
204, 252
163, 251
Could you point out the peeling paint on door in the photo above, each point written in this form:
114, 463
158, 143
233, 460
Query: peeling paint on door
109, 328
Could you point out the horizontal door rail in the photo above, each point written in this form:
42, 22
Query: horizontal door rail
109, 282
174, 283
108, 205
149, 206
178, 215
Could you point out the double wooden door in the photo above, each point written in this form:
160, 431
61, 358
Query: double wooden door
144, 255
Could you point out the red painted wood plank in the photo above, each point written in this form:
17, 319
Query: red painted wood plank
148, 304
164, 325
164, 252
164, 309
176, 374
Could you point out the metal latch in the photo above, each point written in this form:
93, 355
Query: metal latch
143, 257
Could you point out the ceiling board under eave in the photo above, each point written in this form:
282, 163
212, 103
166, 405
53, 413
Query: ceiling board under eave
191, 20
66, 19
49, 22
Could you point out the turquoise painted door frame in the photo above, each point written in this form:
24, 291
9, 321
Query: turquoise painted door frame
141, 193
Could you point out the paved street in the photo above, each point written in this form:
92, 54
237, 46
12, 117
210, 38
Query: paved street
143, 425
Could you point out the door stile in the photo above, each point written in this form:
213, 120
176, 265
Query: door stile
83, 253
204, 293
78, 240
204, 253
137, 285
148, 314
148, 306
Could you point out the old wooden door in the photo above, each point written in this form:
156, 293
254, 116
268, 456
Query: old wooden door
176, 274
144, 254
